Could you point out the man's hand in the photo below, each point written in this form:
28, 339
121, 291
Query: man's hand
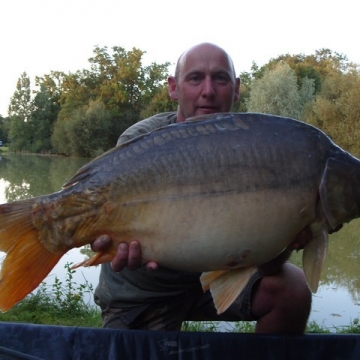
301, 239
126, 256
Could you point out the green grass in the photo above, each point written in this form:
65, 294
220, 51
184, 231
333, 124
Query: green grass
63, 304
217, 326
249, 327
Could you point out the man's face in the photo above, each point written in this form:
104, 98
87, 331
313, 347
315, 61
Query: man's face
206, 83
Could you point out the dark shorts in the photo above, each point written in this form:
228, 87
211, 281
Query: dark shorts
169, 313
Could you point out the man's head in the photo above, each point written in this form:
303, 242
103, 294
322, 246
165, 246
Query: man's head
204, 83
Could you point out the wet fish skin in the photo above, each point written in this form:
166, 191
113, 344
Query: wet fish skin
223, 192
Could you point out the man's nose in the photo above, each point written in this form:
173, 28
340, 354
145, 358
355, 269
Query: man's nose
208, 88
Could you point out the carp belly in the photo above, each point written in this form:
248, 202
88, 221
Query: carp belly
216, 231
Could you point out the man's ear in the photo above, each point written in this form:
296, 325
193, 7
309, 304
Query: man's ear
237, 90
172, 88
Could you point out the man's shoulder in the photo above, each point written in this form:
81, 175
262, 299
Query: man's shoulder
147, 125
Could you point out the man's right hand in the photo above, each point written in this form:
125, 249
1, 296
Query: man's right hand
126, 256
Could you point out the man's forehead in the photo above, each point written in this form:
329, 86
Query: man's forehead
206, 70
205, 62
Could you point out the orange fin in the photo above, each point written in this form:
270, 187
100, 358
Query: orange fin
227, 286
208, 277
314, 255
27, 261
97, 259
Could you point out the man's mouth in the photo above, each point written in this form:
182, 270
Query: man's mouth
208, 109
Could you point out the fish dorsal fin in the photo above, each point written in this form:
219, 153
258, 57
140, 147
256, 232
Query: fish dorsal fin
314, 255
200, 118
226, 285
336, 193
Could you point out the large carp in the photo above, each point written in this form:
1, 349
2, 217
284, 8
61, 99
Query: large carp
220, 193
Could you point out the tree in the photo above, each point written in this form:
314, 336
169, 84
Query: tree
19, 133
20, 103
42, 118
315, 66
86, 131
277, 93
336, 109
20, 110
120, 82
59, 138
3, 129
52, 84
77, 90
160, 102
123, 83
246, 80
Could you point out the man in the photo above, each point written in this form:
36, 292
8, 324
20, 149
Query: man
153, 297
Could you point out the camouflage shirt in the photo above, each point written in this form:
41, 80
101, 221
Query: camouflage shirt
127, 288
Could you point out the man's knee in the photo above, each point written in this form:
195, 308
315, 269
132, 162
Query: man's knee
286, 291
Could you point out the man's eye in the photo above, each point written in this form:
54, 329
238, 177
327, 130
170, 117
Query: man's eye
221, 78
194, 79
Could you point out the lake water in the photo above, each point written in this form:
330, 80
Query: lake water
336, 304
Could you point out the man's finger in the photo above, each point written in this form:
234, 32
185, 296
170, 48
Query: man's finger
120, 259
101, 243
134, 258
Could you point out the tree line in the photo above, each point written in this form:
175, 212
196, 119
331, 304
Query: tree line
83, 113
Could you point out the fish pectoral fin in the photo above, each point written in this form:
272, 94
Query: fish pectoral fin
97, 259
208, 277
314, 255
337, 193
227, 285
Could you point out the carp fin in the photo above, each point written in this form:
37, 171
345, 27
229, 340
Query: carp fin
97, 259
314, 255
226, 285
208, 277
27, 261
336, 193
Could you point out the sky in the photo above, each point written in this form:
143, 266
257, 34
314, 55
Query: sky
39, 36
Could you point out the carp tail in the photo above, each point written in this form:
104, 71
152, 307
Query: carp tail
226, 285
314, 255
27, 262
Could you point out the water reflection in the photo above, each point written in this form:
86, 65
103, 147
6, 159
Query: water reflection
337, 301
33, 175
335, 304
3, 185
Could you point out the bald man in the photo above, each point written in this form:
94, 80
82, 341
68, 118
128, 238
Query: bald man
157, 298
